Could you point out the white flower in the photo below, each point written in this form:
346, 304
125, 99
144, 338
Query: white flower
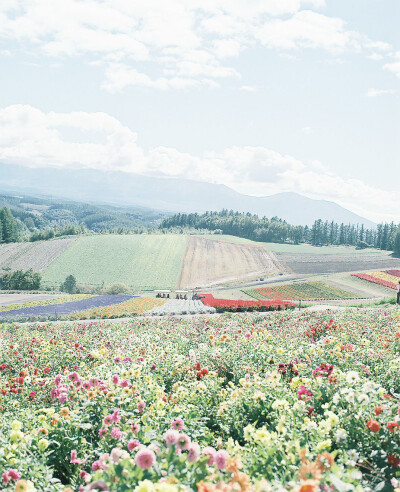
363, 399
352, 377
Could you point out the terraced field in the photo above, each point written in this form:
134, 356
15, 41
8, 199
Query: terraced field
209, 261
37, 255
301, 291
140, 261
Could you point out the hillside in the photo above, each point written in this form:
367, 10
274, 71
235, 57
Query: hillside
169, 261
41, 212
169, 194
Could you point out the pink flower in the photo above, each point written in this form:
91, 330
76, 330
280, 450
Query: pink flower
183, 441
141, 406
116, 433
145, 458
194, 452
13, 474
62, 398
124, 383
178, 424
132, 444
73, 376
171, 437
135, 428
115, 416
96, 466
103, 431
93, 382
247, 335
116, 454
74, 457
115, 379
5, 477
57, 380
210, 452
86, 385
221, 458
83, 474
107, 420
104, 461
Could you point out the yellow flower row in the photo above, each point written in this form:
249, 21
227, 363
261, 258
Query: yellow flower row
136, 305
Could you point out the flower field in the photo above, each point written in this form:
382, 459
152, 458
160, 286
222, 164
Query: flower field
180, 306
63, 308
309, 291
386, 278
278, 401
132, 306
222, 305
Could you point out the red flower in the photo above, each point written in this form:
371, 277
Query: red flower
378, 410
373, 425
392, 426
393, 460
46, 370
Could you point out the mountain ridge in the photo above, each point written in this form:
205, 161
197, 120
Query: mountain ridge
120, 188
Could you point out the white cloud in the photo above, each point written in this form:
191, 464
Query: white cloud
166, 44
308, 29
33, 138
378, 92
394, 66
307, 130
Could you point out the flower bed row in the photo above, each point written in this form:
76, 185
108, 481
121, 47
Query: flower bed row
294, 401
46, 302
65, 308
130, 307
314, 290
380, 278
222, 305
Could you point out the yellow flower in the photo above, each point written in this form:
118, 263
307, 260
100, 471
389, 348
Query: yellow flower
16, 425
43, 444
16, 436
24, 486
145, 486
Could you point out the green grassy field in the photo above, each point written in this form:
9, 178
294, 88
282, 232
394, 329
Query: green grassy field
142, 262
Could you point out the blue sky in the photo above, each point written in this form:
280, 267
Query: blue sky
261, 95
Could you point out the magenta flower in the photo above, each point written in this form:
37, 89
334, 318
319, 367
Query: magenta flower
107, 420
115, 416
96, 466
116, 433
135, 428
145, 458
141, 406
115, 379
93, 382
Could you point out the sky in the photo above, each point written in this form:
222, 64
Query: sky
264, 96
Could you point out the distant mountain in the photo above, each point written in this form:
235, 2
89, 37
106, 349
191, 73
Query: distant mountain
168, 194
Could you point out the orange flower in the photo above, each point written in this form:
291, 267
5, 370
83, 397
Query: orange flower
392, 426
309, 486
373, 425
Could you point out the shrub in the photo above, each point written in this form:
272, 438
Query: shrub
117, 288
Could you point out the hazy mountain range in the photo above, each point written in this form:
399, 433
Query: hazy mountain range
168, 194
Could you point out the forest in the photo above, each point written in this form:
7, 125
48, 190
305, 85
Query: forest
384, 236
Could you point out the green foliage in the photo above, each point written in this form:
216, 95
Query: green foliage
69, 285
396, 248
8, 226
20, 280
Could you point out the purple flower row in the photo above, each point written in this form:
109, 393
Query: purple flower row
66, 307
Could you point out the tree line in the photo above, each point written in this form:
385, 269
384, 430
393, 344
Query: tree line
276, 230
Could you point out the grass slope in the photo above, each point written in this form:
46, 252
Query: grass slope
140, 261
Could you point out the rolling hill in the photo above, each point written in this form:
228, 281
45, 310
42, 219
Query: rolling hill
168, 194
